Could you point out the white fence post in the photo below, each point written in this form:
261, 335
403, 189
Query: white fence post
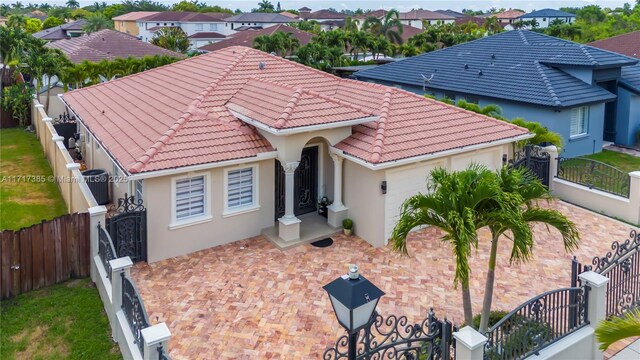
634, 194
469, 344
119, 266
553, 163
597, 309
155, 336
96, 215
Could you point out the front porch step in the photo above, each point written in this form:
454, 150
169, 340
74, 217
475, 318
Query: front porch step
313, 227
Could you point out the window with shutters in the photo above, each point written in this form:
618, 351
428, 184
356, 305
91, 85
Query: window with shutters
579, 121
241, 190
190, 202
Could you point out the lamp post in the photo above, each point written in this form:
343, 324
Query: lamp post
354, 300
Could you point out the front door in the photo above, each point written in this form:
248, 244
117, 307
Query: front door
305, 190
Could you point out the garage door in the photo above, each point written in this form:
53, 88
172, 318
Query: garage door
401, 185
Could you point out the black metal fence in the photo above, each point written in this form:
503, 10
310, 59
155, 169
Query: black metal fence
594, 175
106, 251
134, 311
534, 158
538, 323
622, 266
395, 338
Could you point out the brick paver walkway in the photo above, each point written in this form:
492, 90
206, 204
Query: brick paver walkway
249, 300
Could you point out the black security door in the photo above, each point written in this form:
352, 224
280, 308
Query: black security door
305, 184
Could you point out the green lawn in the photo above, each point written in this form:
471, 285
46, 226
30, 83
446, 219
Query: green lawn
64, 321
624, 162
23, 201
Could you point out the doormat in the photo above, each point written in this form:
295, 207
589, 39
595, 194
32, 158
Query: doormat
323, 243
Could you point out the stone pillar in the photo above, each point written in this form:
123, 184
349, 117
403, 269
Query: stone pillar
119, 266
634, 195
96, 216
69, 179
155, 337
597, 308
469, 344
289, 224
337, 210
553, 163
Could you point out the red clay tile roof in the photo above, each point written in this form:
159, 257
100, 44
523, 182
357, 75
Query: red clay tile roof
107, 45
380, 13
625, 44
245, 37
176, 115
509, 14
424, 15
289, 15
282, 106
325, 14
186, 16
134, 15
206, 35
409, 31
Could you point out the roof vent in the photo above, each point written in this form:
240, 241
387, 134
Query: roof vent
480, 73
466, 66
493, 56
262, 65
272, 53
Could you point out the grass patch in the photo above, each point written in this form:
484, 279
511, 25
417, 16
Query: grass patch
25, 202
624, 162
64, 321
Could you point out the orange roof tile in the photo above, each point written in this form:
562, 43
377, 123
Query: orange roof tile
178, 115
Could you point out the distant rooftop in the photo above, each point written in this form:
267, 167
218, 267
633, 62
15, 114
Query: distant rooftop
424, 15
185, 16
245, 38
517, 65
547, 13
261, 18
625, 44
60, 32
134, 15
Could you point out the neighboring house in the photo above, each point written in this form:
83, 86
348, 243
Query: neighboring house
321, 15
257, 20
205, 141
3, 21
107, 45
565, 86
37, 14
64, 31
415, 18
204, 38
245, 38
128, 23
289, 15
506, 17
545, 17
452, 13
628, 87
190, 22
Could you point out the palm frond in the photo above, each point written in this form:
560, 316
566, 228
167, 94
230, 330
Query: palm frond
611, 331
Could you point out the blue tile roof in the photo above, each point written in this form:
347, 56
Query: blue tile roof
517, 65
631, 77
547, 13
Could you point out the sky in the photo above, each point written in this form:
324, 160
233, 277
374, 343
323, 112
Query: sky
402, 5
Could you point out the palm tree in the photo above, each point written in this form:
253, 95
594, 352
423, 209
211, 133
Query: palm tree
492, 25
73, 4
523, 191
451, 204
265, 6
350, 24
358, 40
618, 328
38, 63
264, 43
96, 22
386, 26
17, 5
17, 21
172, 38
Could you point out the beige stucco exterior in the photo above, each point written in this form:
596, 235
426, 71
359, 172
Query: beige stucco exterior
126, 26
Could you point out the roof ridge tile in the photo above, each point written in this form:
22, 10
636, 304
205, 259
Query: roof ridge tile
588, 54
288, 109
378, 142
547, 83
193, 108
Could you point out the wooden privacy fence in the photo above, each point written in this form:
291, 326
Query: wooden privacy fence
44, 254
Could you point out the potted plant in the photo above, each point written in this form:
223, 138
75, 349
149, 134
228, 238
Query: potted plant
347, 226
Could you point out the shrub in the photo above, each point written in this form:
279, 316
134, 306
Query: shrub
347, 224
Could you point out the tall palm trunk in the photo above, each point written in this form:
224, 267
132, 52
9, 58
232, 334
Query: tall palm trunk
488, 287
466, 303
46, 106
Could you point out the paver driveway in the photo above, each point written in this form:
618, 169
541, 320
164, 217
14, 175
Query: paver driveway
249, 300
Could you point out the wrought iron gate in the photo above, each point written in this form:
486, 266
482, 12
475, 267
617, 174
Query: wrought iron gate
622, 266
305, 184
394, 338
128, 228
534, 158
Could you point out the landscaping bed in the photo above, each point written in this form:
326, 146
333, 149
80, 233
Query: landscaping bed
64, 321
27, 194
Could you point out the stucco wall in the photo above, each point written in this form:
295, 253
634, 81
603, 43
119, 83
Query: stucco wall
164, 243
628, 117
578, 345
363, 197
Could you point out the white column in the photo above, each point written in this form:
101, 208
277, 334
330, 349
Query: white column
597, 308
634, 197
469, 344
119, 266
553, 163
155, 336
289, 173
336, 211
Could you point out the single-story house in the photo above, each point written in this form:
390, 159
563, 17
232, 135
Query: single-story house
108, 45
236, 142
570, 88
628, 104
65, 31
245, 37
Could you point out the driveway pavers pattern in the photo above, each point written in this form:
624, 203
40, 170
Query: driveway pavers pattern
249, 300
